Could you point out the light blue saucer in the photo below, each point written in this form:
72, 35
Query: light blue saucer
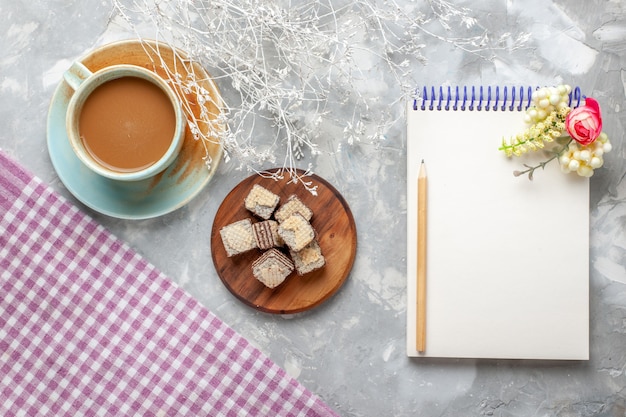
172, 189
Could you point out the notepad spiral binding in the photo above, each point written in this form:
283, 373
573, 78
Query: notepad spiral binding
481, 98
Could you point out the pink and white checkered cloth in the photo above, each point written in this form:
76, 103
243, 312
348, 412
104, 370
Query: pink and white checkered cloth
89, 328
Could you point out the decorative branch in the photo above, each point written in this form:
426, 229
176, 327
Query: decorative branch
531, 169
290, 68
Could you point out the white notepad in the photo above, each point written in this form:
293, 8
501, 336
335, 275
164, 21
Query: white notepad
507, 258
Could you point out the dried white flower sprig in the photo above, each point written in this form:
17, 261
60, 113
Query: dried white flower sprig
293, 68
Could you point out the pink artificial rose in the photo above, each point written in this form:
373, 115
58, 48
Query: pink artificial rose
584, 123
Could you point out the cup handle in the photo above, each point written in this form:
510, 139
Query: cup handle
76, 74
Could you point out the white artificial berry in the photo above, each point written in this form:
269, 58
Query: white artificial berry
595, 162
584, 171
541, 114
584, 155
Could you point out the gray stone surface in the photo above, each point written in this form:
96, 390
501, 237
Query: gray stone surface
351, 350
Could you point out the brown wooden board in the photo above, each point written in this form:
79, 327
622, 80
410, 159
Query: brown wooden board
336, 234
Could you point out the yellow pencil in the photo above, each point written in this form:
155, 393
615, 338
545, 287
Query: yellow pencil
421, 259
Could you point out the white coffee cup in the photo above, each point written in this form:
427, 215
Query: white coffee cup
85, 83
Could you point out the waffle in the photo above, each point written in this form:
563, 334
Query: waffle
238, 237
266, 234
308, 259
292, 206
272, 268
296, 231
261, 202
